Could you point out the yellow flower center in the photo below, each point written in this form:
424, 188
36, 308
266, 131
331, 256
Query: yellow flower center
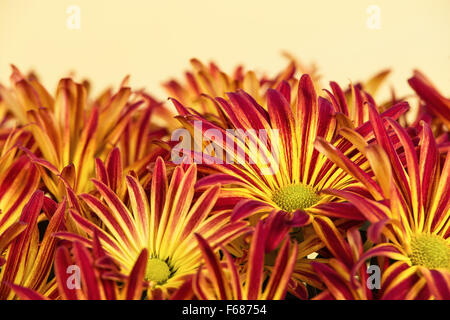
431, 251
294, 197
157, 271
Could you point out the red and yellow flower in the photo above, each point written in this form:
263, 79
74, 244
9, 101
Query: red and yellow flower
162, 221
210, 81
28, 260
69, 131
410, 211
291, 192
84, 276
282, 171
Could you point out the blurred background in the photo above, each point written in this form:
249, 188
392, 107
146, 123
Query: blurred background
153, 40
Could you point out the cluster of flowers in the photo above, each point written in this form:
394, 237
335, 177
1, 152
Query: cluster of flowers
93, 207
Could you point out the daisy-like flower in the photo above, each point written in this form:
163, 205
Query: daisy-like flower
163, 222
212, 81
84, 276
370, 282
411, 215
203, 82
68, 131
274, 161
222, 279
28, 260
286, 173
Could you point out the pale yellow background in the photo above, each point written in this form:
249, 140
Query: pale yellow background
153, 40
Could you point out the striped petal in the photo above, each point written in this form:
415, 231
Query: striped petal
438, 282
214, 268
26, 293
134, 285
336, 286
334, 241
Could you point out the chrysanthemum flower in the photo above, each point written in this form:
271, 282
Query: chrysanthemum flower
68, 130
84, 276
204, 82
340, 280
412, 211
28, 259
222, 279
296, 176
213, 82
163, 222
286, 173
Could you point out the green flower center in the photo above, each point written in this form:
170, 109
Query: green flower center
157, 271
294, 197
431, 251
